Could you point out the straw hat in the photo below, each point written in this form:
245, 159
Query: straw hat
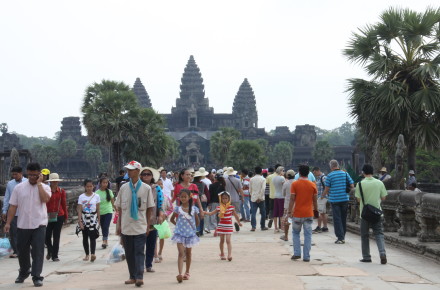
383, 169
202, 171
198, 174
155, 172
54, 177
230, 171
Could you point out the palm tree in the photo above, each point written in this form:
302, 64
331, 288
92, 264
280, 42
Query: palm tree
220, 144
401, 55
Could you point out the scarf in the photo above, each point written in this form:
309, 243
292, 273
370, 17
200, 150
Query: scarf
134, 205
224, 208
159, 198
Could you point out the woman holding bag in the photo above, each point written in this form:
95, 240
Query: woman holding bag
57, 215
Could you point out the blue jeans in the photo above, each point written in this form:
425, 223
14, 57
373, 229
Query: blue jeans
149, 249
297, 224
255, 206
340, 219
365, 238
135, 255
105, 225
244, 208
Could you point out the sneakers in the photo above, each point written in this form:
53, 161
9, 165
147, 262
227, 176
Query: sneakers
365, 260
317, 230
269, 224
383, 259
340, 242
295, 257
324, 229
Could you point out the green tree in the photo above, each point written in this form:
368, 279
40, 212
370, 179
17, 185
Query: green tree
323, 152
111, 115
428, 164
282, 153
401, 55
47, 156
94, 158
68, 149
221, 143
246, 154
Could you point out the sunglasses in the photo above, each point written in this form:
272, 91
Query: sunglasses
146, 174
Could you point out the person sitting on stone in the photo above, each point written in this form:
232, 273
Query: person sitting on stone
383, 174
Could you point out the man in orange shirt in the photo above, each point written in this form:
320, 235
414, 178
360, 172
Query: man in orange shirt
303, 202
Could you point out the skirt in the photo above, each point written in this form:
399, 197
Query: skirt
278, 207
188, 242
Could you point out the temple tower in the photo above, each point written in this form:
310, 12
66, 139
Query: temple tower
141, 93
244, 110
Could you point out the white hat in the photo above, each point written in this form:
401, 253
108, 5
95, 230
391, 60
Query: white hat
54, 177
411, 172
214, 171
155, 172
230, 171
198, 174
203, 171
220, 171
133, 165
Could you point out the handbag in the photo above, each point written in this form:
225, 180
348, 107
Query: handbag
53, 216
369, 213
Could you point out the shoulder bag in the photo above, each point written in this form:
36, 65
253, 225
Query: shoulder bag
53, 216
369, 213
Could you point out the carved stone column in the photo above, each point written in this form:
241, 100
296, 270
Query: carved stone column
427, 214
406, 214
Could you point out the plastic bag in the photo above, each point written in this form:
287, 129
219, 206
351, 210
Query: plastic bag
115, 218
163, 230
117, 254
5, 247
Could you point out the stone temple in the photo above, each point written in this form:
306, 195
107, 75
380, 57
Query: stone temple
192, 121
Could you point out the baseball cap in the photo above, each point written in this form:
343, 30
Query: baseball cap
45, 171
133, 165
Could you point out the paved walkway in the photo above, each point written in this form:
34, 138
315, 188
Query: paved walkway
260, 261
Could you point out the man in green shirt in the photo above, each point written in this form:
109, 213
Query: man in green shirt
374, 192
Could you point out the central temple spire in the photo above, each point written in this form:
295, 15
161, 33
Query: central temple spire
192, 82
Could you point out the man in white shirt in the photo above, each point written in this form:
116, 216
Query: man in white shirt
168, 188
257, 186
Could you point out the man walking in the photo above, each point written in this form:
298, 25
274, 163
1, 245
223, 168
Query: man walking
322, 201
234, 187
17, 178
30, 198
168, 188
245, 204
302, 203
135, 206
374, 192
257, 186
336, 186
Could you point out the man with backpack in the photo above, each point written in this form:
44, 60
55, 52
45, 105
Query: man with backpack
322, 201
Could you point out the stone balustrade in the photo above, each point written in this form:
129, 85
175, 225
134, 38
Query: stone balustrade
410, 214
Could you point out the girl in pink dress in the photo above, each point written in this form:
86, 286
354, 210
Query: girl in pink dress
225, 226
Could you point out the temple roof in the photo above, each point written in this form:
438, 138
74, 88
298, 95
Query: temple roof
245, 99
192, 81
141, 93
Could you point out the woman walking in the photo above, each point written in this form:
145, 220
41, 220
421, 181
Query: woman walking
88, 210
106, 208
57, 215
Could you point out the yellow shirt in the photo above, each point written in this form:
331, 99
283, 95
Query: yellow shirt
271, 185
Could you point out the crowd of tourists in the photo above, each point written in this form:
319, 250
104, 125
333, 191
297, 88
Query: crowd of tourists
197, 202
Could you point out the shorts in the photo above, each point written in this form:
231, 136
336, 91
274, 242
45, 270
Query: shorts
322, 205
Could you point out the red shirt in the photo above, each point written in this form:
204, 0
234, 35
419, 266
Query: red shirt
58, 203
194, 191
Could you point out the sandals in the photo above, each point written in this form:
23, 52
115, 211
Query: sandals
157, 260
179, 278
222, 257
160, 257
186, 276
86, 258
229, 259
93, 258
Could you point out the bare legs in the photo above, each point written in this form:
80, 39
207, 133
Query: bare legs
228, 244
182, 251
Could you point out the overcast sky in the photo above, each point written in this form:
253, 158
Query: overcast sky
290, 51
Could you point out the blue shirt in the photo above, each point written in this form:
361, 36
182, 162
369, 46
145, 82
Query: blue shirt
9, 189
311, 177
337, 181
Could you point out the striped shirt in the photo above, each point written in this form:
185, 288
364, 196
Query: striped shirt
337, 181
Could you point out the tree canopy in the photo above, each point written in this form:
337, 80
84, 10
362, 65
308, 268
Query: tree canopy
246, 154
221, 143
401, 54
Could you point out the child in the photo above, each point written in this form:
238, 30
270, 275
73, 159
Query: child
88, 210
225, 227
106, 208
185, 231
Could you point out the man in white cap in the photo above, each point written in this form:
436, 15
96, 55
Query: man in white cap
135, 205
383, 174
411, 178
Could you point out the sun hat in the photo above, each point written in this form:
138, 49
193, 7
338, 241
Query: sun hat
155, 172
411, 172
133, 165
230, 171
290, 172
214, 171
383, 169
220, 171
203, 171
54, 177
45, 171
